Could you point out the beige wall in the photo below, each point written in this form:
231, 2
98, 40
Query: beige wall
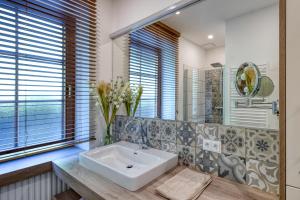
293, 100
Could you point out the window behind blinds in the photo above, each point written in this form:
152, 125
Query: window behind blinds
47, 64
144, 67
153, 60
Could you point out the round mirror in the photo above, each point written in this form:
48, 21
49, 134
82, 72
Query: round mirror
266, 87
247, 79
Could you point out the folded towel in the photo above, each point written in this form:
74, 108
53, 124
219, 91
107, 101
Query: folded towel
186, 185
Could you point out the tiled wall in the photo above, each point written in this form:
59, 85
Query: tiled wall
249, 156
214, 96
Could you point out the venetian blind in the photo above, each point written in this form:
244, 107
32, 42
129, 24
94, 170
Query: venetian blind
47, 66
153, 63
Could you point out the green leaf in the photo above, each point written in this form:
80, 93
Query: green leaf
138, 99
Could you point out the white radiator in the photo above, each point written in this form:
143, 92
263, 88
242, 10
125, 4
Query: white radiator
257, 118
41, 187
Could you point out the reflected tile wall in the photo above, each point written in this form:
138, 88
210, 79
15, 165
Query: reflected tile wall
203, 95
214, 96
249, 156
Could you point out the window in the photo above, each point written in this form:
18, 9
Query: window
47, 65
32, 79
153, 64
144, 68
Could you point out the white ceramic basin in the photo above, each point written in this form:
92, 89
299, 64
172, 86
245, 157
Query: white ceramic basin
126, 165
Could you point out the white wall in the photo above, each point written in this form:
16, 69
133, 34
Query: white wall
254, 37
120, 57
104, 43
127, 12
104, 53
215, 55
190, 55
292, 100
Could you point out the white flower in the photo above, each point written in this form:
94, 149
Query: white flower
246, 90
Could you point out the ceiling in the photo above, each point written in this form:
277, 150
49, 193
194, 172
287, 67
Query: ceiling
208, 17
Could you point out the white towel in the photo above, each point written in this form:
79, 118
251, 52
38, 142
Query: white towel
186, 185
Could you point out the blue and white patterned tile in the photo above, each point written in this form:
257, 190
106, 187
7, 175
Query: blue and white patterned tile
262, 145
206, 161
119, 123
133, 130
206, 131
232, 167
233, 140
168, 146
186, 133
153, 143
118, 127
186, 155
263, 175
153, 129
168, 130
116, 136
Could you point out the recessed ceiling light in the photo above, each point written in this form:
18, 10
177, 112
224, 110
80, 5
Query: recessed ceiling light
178, 13
210, 37
172, 7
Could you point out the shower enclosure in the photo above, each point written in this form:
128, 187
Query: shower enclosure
203, 95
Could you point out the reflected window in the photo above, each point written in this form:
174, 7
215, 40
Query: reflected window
153, 60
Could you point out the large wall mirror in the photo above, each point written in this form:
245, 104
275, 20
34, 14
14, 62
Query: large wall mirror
213, 62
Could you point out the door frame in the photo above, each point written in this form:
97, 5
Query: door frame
282, 99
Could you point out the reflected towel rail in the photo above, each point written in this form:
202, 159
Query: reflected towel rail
258, 104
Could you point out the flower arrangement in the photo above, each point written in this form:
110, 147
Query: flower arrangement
110, 97
132, 99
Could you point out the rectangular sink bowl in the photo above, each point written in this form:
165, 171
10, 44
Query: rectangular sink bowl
126, 165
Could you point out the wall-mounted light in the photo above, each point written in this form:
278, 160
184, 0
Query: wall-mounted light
210, 37
178, 13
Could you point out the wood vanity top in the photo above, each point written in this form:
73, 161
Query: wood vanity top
92, 186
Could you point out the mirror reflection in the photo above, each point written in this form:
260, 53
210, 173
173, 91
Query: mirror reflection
266, 87
247, 81
203, 95
221, 67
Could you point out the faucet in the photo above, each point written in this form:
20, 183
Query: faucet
142, 145
143, 131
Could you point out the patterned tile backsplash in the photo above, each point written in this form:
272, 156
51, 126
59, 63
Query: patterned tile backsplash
249, 156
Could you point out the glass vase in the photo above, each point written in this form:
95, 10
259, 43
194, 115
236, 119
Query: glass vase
108, 137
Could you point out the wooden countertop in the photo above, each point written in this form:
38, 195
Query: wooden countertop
92, 186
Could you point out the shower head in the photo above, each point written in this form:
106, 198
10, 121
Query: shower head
216, 65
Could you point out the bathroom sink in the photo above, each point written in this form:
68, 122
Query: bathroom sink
127, 165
